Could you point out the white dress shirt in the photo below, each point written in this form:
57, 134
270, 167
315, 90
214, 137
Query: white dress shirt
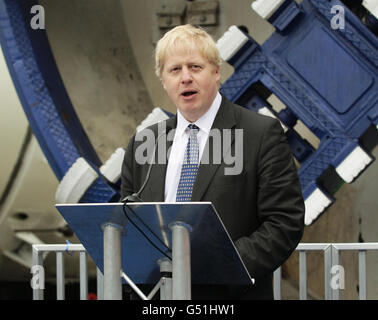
180, 140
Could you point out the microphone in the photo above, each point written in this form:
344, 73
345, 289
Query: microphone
135, 197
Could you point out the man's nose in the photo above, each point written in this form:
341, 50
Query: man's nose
186, 75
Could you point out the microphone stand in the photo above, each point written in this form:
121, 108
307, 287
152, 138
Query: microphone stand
135, 197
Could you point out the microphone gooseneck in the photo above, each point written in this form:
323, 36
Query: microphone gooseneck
135, 197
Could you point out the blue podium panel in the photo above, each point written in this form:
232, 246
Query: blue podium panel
214, 259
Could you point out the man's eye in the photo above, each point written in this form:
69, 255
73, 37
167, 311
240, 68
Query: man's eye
175, 69
196, 67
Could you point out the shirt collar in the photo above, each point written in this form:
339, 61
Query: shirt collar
205, 122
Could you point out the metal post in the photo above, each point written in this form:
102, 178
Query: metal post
336, 293
327, 272
134, 286
302, 275
39, 284
166, 276
362, 273
112, 262
60, 282
83, 276
100, 285
181, 277
277, 284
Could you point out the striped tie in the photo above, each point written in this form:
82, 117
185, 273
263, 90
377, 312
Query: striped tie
189, 166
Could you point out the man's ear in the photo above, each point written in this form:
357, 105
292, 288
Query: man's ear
217, 72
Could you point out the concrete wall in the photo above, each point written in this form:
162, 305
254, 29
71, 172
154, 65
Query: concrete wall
91, 46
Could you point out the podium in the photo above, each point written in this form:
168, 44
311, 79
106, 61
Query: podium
172, 245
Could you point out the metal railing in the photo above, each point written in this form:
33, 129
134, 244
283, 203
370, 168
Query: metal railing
39, 250
331, 252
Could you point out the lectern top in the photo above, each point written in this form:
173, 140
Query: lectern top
214, 259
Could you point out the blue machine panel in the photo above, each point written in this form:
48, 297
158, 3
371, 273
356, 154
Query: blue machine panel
326, 78
333, 70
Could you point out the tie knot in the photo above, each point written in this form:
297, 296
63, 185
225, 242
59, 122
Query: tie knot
193, 127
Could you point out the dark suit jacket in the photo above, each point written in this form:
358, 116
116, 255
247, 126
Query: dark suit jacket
262, 207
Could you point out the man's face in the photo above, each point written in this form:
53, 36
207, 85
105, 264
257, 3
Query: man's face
190, 81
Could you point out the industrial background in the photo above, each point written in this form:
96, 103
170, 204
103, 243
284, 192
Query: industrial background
79, 88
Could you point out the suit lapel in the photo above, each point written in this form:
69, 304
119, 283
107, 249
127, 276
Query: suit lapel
156, 184
225, 119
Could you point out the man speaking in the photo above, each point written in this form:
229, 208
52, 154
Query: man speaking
258, 199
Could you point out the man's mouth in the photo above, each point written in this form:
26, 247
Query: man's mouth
189, 93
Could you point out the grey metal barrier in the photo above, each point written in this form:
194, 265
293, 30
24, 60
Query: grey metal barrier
40, 250
331, 253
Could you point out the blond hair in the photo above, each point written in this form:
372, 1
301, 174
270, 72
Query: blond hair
186, 37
